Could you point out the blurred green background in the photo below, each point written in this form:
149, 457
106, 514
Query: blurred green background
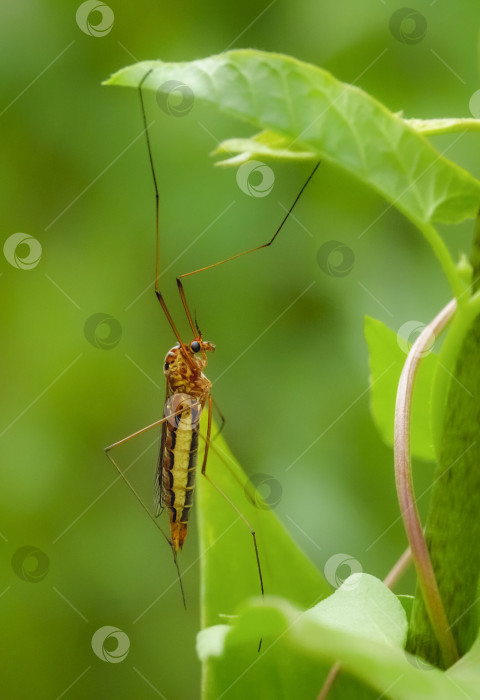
291, 383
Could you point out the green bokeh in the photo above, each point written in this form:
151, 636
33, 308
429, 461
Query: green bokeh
76, 177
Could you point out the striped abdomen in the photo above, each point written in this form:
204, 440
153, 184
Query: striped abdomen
177, 470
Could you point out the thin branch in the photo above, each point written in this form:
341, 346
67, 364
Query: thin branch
398, 569
330, 680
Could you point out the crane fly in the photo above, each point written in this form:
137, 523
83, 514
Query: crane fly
187, 395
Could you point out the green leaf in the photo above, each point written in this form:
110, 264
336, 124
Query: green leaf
307, 640
363, 605
269, 144
386, 363
338, 122
266, 144
431, 127
467, 670
229, 573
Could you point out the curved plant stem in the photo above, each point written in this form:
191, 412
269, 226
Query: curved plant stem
405, 491
417, 551
397, 570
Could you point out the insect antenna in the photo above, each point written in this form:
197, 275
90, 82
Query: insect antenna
197, 326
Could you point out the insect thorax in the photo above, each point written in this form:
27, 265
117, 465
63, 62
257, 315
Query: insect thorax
186, 375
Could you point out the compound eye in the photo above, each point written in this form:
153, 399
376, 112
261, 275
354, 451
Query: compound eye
195, 346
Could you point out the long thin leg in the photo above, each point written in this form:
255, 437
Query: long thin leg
224, 456
207, 438
155, 522
152, 167
149, 427
223, 420
136, 494
157, 222
222, 493
160, 298
239, 255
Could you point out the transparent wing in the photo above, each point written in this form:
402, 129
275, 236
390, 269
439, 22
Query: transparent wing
158, 490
